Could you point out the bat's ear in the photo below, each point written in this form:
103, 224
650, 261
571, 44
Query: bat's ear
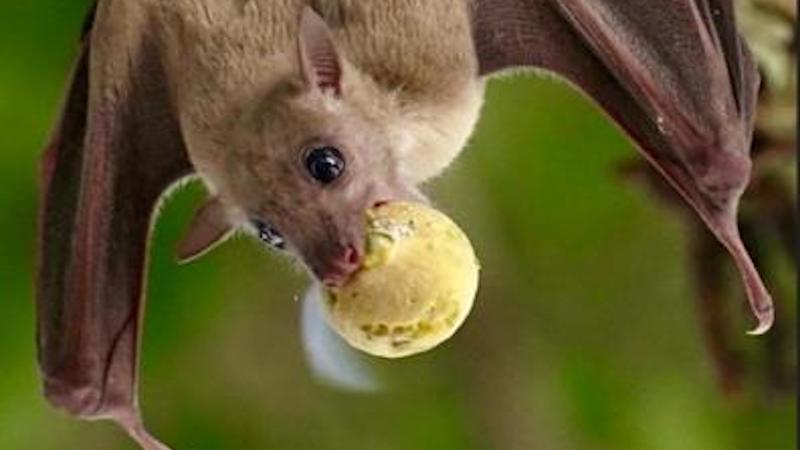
209, 228
320, 62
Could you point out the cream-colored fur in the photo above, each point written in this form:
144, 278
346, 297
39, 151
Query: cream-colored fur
415, 58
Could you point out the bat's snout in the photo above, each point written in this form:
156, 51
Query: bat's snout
335, 268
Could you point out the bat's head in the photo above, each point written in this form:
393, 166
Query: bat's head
305, 161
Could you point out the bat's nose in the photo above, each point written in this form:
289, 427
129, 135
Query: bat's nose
341, 264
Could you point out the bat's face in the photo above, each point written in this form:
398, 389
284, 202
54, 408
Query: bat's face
307, 164
308, 157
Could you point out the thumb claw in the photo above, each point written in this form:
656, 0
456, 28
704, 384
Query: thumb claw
765, 319
757, 295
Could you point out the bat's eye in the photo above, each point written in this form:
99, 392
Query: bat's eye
325, 164
269, 235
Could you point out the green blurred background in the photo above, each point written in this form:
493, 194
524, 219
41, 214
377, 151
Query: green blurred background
585, 334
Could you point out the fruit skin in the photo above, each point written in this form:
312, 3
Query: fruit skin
416, 285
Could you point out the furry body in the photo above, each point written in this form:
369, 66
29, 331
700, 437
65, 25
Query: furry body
221, 55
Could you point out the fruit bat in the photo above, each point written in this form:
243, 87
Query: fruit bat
298, 115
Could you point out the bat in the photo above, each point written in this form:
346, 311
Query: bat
298, 115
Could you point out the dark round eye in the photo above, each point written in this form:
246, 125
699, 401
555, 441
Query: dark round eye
269, 235
325, 164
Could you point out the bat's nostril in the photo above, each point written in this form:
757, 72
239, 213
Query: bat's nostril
352, 257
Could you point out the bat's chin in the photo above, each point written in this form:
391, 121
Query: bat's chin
333, 278
330, 278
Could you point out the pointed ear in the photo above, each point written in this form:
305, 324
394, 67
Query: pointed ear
319, 60
209, 227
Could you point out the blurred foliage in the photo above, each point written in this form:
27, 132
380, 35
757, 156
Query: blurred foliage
584, 335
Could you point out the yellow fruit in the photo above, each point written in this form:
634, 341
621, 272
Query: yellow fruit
415, 287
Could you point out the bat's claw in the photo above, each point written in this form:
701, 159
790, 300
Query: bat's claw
757, 294
765, 316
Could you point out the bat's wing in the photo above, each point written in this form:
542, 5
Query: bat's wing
114, 152
674, 74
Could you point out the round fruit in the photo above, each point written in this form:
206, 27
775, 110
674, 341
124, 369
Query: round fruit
415, 287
